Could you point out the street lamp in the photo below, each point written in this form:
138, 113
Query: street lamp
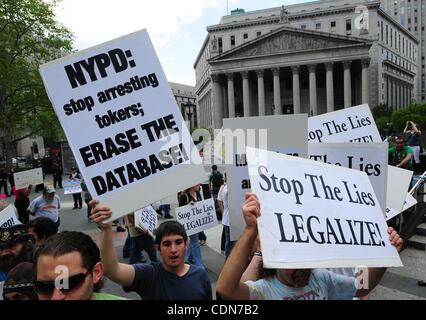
189, 109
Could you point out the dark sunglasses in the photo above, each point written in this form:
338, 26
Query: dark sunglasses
47, 287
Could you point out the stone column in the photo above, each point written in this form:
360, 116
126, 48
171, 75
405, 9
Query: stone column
386, 100
231, 95
347, 83
365, 64
330, 86
395, 101
277, 91
296, 89
217, 104
246, 94
261, 92
313, 90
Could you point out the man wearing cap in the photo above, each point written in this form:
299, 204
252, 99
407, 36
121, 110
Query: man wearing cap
46, 205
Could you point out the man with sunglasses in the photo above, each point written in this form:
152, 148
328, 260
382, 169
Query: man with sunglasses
68, 267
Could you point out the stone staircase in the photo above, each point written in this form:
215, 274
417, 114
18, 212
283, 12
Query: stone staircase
418, 240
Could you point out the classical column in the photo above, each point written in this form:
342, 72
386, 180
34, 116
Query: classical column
313, 90
365, 64
246, 94
330, 86
217, 104
296, 89
261, 92
347, 83
231, 95
277, 91
395, 101
386, 93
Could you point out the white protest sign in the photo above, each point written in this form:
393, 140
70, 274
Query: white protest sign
397, 187
134, 140
408, 203
372, 158
316, 215
8, 217
24, 178
283, 133
146, 219
354, 124
72, 186
197, 217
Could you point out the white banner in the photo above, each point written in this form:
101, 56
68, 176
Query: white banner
408, 203
316, 215
397, 187
8, 217
285, 134
354, 124
72, 186
372, 158
134, 140
197, 217
146, 219
24, 178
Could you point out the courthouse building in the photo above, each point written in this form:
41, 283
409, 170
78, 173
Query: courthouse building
310, 58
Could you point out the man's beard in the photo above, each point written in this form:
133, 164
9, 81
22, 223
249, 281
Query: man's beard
8, 261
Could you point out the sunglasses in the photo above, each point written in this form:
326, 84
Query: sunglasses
67, 284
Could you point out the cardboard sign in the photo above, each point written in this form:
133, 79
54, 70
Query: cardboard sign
283, 133
8, 217
397, 187
197, 217
372, 158
72, 186
24, 178
316, 215
134, 140
408, 203
146, 219
354, 124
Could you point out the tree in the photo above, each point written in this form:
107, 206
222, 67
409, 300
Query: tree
29, 36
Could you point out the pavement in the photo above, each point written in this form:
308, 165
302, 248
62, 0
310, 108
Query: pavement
396, 284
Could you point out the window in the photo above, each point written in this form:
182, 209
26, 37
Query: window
318, 26
303, 26
333, 27
391, 36
348, 26
381, 29
232, 41
409, 20
387, 34
219, 41
258, 34
245, 36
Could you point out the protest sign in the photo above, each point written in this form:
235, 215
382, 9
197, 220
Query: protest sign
354, 124
283, 133
197, 217
408, 203
134, 140
397, 187
146, 219
8, 217
316, 215
72, 186
24, 178
372, 158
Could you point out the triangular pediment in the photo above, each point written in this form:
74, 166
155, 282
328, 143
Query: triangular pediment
286, 40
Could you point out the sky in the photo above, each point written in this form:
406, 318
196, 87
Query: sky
177, 27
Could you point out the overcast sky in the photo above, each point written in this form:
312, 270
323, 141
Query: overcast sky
176, 27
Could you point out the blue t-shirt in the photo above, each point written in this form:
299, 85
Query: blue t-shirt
322, 285
153, 282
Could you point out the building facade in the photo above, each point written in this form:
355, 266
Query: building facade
187, 102
310, 58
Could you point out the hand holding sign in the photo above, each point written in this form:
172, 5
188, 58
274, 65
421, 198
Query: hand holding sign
251, 211
100, 213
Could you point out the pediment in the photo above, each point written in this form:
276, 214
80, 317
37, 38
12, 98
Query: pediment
286, 40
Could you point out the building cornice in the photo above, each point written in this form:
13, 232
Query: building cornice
395, 66
396, 24
200, 53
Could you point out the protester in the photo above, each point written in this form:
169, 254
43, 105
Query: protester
46, 205
68, 267
76, 176
11, 177
40, 186
171, 279
57, 172
22, 202
193, 253
413, 140
287, 284
3, 181
87, 198
222, 200
42, 228
19, 283
400, 155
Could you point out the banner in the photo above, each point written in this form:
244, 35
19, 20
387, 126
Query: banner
146, 219
134, 140
316, 215
408, 203
354, 124
8, 217
24, 178
197, 217
72, 186
372, 158
283, 133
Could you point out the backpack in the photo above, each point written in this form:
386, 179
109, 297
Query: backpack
217, 179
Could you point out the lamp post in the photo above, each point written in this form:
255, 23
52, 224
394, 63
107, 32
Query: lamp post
190, 110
